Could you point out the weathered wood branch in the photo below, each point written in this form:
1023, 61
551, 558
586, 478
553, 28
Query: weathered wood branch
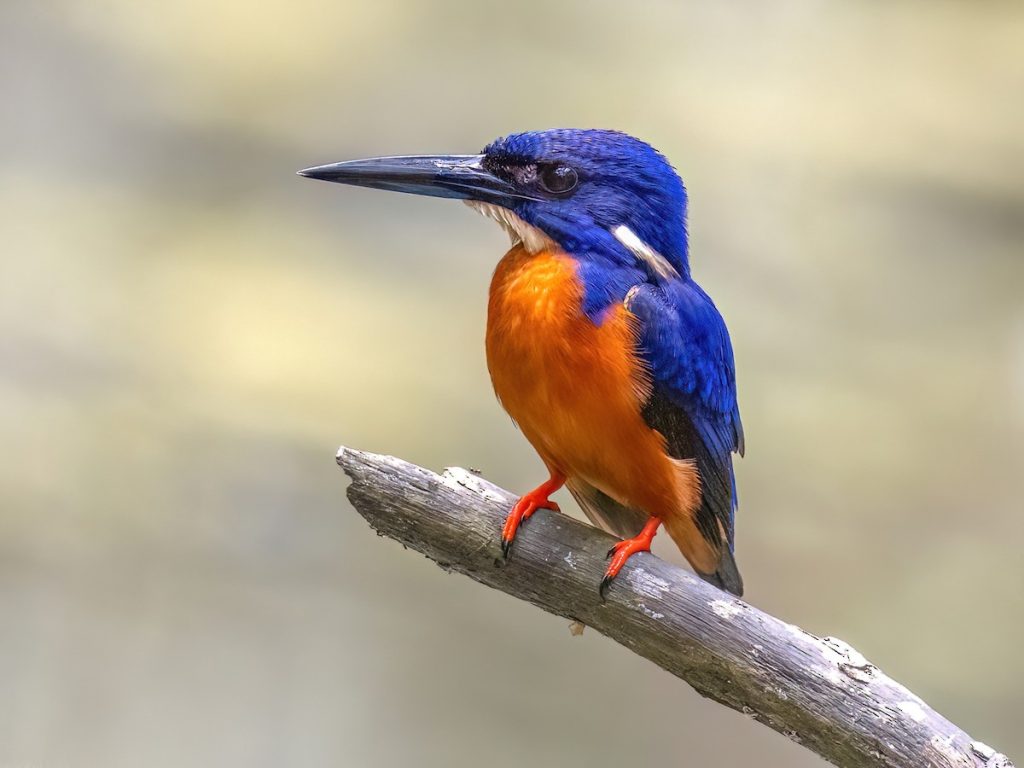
819, 692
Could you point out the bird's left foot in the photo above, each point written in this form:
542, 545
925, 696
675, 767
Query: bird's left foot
625, 549
528, 504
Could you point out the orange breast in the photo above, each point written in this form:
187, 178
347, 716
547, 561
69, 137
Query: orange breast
576, 388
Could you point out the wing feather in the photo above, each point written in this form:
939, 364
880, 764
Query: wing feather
685, 344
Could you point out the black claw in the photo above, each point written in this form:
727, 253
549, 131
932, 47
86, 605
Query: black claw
610, 553
506, 545
605, 583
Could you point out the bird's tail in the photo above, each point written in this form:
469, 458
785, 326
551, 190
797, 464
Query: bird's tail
727, 576
709, 554
604, 511
712, 561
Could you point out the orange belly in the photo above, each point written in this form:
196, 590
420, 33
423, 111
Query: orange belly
576, 388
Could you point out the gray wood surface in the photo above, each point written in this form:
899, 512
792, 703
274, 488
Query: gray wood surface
819, 692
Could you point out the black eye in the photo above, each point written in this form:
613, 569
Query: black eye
558, 179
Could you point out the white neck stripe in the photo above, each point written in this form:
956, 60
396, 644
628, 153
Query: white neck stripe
662, 266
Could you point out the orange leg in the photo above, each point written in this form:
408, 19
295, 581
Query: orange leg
622, 551
528, 504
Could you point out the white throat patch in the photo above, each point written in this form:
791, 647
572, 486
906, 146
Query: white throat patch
519, 231
644, 252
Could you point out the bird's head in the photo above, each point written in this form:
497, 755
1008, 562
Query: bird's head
595, 193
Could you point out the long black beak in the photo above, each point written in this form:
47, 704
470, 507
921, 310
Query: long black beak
462, 177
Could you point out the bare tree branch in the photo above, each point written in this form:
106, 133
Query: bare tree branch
819, 692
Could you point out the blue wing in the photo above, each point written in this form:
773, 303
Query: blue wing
685, 344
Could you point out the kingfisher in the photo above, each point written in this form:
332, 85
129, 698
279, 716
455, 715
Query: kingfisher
614, 363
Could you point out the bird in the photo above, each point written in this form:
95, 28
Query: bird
614, 363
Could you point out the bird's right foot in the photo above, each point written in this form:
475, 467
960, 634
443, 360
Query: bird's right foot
625, 549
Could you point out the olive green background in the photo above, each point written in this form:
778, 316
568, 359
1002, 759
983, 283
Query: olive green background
188, 330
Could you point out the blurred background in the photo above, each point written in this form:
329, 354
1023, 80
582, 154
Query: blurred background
188, 330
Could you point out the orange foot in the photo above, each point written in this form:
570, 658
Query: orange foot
527, 505
622, 551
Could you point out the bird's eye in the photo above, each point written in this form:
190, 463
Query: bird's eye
558, 179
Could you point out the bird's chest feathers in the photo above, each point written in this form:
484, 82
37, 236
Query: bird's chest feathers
547, 359
535, 303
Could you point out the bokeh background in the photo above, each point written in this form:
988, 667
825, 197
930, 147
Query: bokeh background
188, 330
